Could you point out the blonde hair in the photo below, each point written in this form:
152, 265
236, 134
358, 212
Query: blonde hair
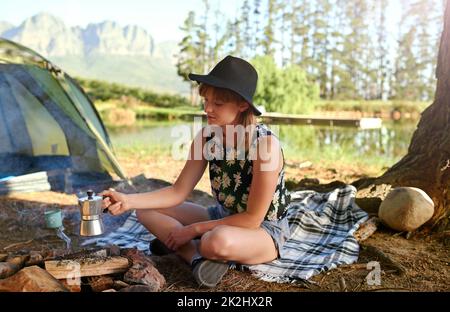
246, 117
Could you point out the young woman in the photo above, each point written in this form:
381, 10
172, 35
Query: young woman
247, 224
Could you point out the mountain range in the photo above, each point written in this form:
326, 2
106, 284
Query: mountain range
104, 51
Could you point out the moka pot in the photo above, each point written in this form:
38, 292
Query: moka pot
91, 214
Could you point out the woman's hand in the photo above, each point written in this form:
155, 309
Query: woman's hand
116, 202
179, 237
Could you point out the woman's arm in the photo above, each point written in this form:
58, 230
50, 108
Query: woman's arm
266, 168
168, 196
187, 180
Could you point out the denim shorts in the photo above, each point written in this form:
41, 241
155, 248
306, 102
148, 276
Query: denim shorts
278, 230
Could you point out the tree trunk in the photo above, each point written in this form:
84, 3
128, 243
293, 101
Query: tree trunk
427, 163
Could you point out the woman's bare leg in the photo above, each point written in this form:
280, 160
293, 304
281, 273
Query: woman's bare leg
160, 222
230, 243
223, 243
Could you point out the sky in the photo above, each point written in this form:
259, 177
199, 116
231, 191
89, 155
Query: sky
161, 18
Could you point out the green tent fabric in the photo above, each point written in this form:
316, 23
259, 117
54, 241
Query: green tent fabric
48, 124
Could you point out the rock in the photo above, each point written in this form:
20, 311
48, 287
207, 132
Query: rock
73, 285
136, 255
100, 283
114, 250
143, 271
7, 269
12, 265
35, 259
19, 260
405, 209
31, 279
3, 257
137, 288
118, 284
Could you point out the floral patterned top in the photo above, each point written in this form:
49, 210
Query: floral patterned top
231, 177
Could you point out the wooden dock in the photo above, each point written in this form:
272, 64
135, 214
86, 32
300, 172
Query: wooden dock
278, 118
363, 122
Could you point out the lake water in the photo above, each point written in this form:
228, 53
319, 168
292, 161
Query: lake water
383, 146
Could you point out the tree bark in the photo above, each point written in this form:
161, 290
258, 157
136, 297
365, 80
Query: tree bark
427, 163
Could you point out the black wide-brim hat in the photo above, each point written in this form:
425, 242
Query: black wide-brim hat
234, 74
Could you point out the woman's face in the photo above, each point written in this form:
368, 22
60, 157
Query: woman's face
221, 113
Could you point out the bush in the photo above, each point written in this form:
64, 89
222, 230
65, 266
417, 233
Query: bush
104, 91
120, 117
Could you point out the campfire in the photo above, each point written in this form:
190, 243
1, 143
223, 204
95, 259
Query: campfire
92, 270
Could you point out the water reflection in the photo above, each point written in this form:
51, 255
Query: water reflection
390, 142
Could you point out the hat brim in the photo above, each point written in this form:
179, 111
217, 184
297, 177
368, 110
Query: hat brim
216, 82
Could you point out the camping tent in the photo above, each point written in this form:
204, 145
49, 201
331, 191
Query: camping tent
49, 129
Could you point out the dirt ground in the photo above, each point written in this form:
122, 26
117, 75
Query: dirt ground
417, 263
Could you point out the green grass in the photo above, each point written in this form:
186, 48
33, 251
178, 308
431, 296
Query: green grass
162, 111
371, 106
103, 106
146, 110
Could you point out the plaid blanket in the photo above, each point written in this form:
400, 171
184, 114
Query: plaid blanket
321, 224
131, 234
322, 227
